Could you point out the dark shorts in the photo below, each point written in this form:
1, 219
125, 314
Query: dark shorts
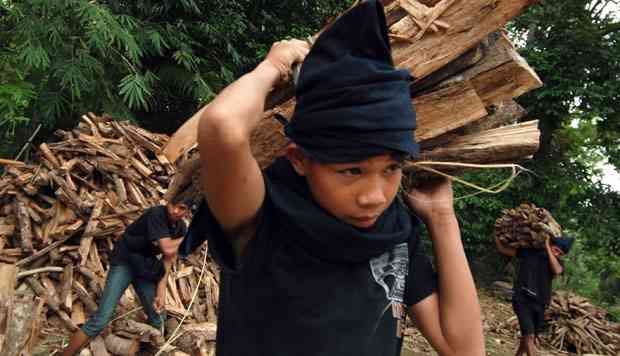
531, 316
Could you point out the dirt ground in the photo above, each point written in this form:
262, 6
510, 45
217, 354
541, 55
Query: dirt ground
501, 331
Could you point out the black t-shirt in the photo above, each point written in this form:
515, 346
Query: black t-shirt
143, 235
535, 276
284, 299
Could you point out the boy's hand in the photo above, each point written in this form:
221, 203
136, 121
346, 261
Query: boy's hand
432, 201
283, 54
160, 300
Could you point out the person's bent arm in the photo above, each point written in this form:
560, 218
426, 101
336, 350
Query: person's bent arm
230, 176
450, 319
505, 250
554, 264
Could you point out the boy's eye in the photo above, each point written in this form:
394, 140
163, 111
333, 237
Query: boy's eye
350, 171
394, 168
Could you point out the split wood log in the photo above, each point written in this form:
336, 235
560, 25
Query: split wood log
41, 253
146, 332
82, 293
10, 162
47, 269
25, 227
85, 352
87, 236
78, 316
8, 281
197, 338
503, 144
22, 328
95, 284
66, 283
120, 346
52, 303
97, 345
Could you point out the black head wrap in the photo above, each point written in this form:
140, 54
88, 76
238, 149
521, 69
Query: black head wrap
352, 103
565, 243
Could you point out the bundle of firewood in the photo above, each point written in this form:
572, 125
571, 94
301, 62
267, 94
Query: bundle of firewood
578, 326
467, 73
526, 226
59, 218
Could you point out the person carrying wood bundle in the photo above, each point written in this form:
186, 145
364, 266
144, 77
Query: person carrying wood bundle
319, 255
135, 260
532, 289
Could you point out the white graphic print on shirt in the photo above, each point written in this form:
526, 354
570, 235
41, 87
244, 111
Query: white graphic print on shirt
390, 271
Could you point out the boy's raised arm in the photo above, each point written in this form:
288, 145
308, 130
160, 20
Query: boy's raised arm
230, 176
450, 319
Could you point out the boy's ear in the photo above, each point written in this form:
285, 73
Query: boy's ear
297, 158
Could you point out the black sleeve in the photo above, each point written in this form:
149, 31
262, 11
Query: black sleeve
157, 225
204, 227
182, 230
422, 279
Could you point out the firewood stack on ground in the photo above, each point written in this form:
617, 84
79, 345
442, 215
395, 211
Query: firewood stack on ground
526, 226
578, 326
59, 218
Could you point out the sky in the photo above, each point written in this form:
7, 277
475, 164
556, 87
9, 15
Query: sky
610, 176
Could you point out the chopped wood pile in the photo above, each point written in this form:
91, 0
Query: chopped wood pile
526, 226
59, 218
578, 326
467, 73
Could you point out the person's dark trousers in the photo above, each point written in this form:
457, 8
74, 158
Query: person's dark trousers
531, 315
118, 280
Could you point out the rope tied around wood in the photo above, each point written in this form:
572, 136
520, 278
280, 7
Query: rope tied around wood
493, 189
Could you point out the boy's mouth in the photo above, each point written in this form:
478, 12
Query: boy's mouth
365, 221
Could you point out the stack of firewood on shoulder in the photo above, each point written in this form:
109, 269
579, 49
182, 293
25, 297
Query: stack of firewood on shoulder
59, 218
526, 226
578, 326
466, 72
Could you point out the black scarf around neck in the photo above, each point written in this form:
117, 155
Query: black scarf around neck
322, 234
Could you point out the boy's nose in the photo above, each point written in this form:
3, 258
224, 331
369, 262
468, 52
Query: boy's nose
373, 196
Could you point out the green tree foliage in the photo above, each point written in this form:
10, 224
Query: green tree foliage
155, 61
574, 45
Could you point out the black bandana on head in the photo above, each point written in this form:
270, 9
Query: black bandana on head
351, 102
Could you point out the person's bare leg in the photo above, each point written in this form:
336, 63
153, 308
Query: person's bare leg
530, 347
521, 349
78, 340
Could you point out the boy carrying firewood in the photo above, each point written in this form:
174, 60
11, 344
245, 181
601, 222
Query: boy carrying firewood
532, 288
319, 256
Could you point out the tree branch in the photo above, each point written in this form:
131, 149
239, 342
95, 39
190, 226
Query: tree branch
613, 27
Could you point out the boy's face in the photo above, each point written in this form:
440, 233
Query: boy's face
356, 193
557, 252
177, 212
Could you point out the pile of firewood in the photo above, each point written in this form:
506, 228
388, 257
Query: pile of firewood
526, 226
578, 326
59, 218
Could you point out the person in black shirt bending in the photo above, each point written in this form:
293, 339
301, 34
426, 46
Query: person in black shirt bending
158, 231
532, 289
